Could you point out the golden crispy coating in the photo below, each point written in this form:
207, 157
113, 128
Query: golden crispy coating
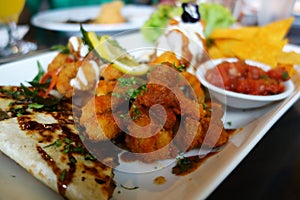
189, 134
111, 73
59, 60
142, 138
108, 125
165, 75
208, 131
158, 94
183, 120
195, 85
98, 125
157, 147
213, 128
67, 73
105, 87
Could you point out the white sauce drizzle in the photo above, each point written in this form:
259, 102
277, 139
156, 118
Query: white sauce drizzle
74, 42
173, 42
81, 76
78, 46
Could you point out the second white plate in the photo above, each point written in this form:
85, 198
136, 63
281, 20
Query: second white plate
56, 19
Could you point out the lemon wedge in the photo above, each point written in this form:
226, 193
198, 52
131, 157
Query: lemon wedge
110, 51
93, 39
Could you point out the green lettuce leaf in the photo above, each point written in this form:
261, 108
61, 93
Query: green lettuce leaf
214, 16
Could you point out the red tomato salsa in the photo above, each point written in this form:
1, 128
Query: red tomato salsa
247, 79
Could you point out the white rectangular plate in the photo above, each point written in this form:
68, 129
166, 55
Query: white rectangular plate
196, 185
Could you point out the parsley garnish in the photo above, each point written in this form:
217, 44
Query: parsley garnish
63, 175
40, 73
85, 38
124, 82
180, 68
89, 157
61, 48
35, 105
184, 163
57, 143
18, 111
33, 95
136, 112
73, 160
115, 94
264, 76
285, 75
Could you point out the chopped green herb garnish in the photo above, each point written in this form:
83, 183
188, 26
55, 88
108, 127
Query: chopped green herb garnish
57, 143
133, 93
63, 175
40, 73
89, 157
179, 68
264, 76
124, 82
33, 96
115, 94
136, 112
78, 149
67, 141
61, 48
18, 111
184, 163
85, 38
66, 149
35, 105
123, 116
285, 75
73, 160
12, 93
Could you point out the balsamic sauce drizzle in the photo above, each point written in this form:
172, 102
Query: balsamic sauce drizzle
71, 147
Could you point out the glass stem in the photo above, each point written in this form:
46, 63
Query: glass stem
14, 37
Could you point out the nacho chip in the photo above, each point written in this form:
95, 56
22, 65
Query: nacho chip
289, 58
215, 53
238, 33
263, 44
259, 51
275, 31
225, 46
289, 68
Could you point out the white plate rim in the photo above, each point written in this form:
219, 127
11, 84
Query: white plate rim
219, 166
54, 19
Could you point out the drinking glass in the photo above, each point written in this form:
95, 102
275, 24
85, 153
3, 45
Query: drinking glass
9, 15
272, 10
230, 4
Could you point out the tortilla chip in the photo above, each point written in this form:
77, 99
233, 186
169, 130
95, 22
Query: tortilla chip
263, 44
275, 31
259, 51
289, 68
289, 58
225, 46
238, 33
215, 53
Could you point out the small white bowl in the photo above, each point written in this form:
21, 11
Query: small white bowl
235, 99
